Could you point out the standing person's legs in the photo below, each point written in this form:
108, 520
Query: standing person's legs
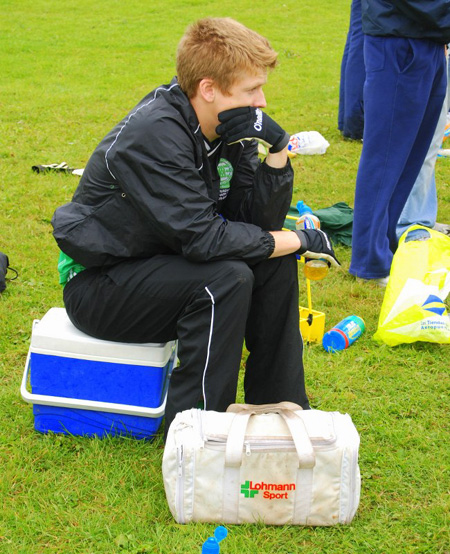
204, 306
421, 206
354, 77
403, 95
422, 143
341, 106
274, 369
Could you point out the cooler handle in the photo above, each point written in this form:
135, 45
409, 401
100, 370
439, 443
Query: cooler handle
96, 406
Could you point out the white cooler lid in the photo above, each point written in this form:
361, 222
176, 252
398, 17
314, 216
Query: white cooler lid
55, 335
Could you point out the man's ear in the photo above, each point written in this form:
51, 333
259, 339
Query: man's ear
207, 90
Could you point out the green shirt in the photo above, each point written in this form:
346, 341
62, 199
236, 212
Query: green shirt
67, 268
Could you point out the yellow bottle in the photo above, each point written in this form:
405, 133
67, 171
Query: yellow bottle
315, 270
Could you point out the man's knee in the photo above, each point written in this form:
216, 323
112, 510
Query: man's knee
236, 274
240, 272
278, 272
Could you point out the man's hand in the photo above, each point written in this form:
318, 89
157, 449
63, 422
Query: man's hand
244, 123
316, 244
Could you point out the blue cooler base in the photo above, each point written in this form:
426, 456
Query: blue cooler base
93, 424
120, 383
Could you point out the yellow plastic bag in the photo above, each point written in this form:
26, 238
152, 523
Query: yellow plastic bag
414, 307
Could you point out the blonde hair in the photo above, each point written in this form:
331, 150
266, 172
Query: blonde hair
220, 49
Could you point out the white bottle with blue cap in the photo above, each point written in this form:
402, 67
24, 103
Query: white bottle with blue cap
307, 219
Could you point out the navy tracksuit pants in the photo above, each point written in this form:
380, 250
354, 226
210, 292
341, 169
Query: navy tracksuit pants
210, 308
403, 94
353, 74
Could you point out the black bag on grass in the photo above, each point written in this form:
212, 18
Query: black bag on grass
4, 266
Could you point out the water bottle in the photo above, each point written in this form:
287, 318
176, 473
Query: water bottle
343, 334
307, 219
211, 545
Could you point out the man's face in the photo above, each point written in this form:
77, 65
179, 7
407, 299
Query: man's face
247, 91
210, 100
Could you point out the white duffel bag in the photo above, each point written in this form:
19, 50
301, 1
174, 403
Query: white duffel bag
273, 463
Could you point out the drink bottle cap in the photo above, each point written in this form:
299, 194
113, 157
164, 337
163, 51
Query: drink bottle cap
334, 340
303, 208
210, 546
220, 533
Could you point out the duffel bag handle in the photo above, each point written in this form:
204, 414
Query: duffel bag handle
236, 436
263, 408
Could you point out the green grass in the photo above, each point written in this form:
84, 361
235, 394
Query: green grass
70, 71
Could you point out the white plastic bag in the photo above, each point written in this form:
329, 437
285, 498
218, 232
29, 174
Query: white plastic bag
308, 142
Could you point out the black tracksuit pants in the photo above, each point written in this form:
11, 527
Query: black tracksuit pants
209, 308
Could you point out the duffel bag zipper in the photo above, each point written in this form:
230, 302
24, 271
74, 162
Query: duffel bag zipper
259, 443
352, 485
266, 445
179, 504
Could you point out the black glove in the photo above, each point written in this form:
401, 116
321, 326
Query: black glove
316, 245
244, 123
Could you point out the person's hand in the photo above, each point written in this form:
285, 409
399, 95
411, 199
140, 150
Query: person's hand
315, 244
244, 123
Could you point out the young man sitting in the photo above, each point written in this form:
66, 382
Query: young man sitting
174, 231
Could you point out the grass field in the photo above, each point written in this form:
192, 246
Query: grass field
69, 72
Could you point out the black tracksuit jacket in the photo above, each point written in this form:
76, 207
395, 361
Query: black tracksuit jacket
154, 185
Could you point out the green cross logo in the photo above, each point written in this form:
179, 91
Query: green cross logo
247, 491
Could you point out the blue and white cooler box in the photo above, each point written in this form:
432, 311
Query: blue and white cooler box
85, 386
